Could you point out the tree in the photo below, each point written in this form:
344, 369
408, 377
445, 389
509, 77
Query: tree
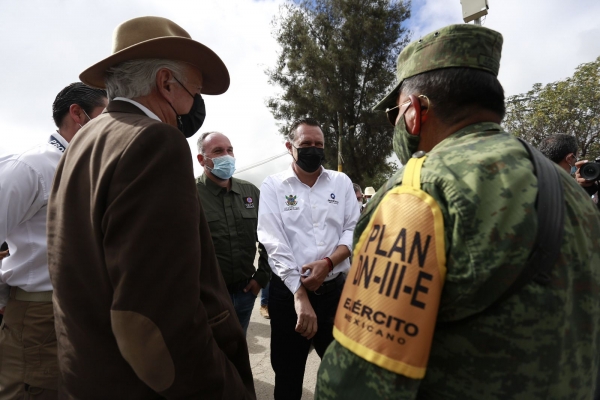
570, 106
337, 59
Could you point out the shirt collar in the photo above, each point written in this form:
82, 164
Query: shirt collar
290, 174
235, 186
467, 130
216, 189
145, 109
61, 139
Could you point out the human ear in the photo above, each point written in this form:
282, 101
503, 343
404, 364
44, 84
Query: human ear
77, 115
413, 116
164, 83
200, 158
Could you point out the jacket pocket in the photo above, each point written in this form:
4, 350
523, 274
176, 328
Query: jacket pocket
42, 365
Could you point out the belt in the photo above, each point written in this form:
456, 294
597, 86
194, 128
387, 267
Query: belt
39, 297
330, 285
237, 287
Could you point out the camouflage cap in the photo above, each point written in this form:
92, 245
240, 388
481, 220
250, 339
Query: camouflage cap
462, 45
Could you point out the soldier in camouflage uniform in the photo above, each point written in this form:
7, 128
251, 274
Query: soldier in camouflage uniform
541, 342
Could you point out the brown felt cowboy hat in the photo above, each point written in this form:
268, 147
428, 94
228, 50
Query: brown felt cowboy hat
156, 37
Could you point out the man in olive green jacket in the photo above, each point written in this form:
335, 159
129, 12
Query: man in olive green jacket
231, 208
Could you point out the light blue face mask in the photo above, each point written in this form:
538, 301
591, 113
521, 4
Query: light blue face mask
224, 166
573, 167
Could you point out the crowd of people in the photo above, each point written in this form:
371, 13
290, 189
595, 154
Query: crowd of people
473, 273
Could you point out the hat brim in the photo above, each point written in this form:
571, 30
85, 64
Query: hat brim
389, 100
215, 77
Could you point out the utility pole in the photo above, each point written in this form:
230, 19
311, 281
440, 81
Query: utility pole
340, 133
473, 10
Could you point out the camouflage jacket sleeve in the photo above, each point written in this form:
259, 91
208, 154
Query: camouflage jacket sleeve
488, 204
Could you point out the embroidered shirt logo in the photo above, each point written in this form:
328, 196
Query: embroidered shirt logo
291, 200
291, 203
332, 199
248, 202
54, 142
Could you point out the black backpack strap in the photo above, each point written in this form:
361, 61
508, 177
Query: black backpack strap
551, 215
550, 205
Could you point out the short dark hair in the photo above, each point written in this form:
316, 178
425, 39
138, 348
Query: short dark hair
301, 121
78, 93
451, 90
557, 147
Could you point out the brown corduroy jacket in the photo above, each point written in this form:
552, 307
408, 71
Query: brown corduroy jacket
141, 309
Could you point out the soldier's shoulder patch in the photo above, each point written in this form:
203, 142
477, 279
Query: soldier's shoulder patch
389, 305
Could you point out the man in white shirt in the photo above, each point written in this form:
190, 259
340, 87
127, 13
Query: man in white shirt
306, 221
25, 288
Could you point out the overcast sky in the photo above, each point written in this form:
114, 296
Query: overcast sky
45, 44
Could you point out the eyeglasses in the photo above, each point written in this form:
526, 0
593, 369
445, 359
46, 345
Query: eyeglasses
574, 157
359, 198
394, 112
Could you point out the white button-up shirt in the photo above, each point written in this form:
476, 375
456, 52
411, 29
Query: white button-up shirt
145, 109
25, 182
299, 224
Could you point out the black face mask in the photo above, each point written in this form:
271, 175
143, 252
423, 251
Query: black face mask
192, 121
310, 158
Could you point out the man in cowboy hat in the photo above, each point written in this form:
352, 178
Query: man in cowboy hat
369, 192
141, 308
463, 285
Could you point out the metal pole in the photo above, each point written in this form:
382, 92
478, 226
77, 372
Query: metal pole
340, 133
477, 21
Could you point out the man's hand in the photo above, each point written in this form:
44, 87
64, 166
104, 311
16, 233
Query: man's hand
307, 319
253, 286
4, 254
318, 272
582, 182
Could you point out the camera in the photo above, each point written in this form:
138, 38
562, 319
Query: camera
590, 171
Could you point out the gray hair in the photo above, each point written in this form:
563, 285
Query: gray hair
201, 140
137, 78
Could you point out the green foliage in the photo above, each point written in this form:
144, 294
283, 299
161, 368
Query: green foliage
570, 106
381, 177
337, 59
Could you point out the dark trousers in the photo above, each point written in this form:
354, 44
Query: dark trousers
289, 350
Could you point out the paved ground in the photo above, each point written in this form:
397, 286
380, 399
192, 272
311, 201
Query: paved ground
259, 338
